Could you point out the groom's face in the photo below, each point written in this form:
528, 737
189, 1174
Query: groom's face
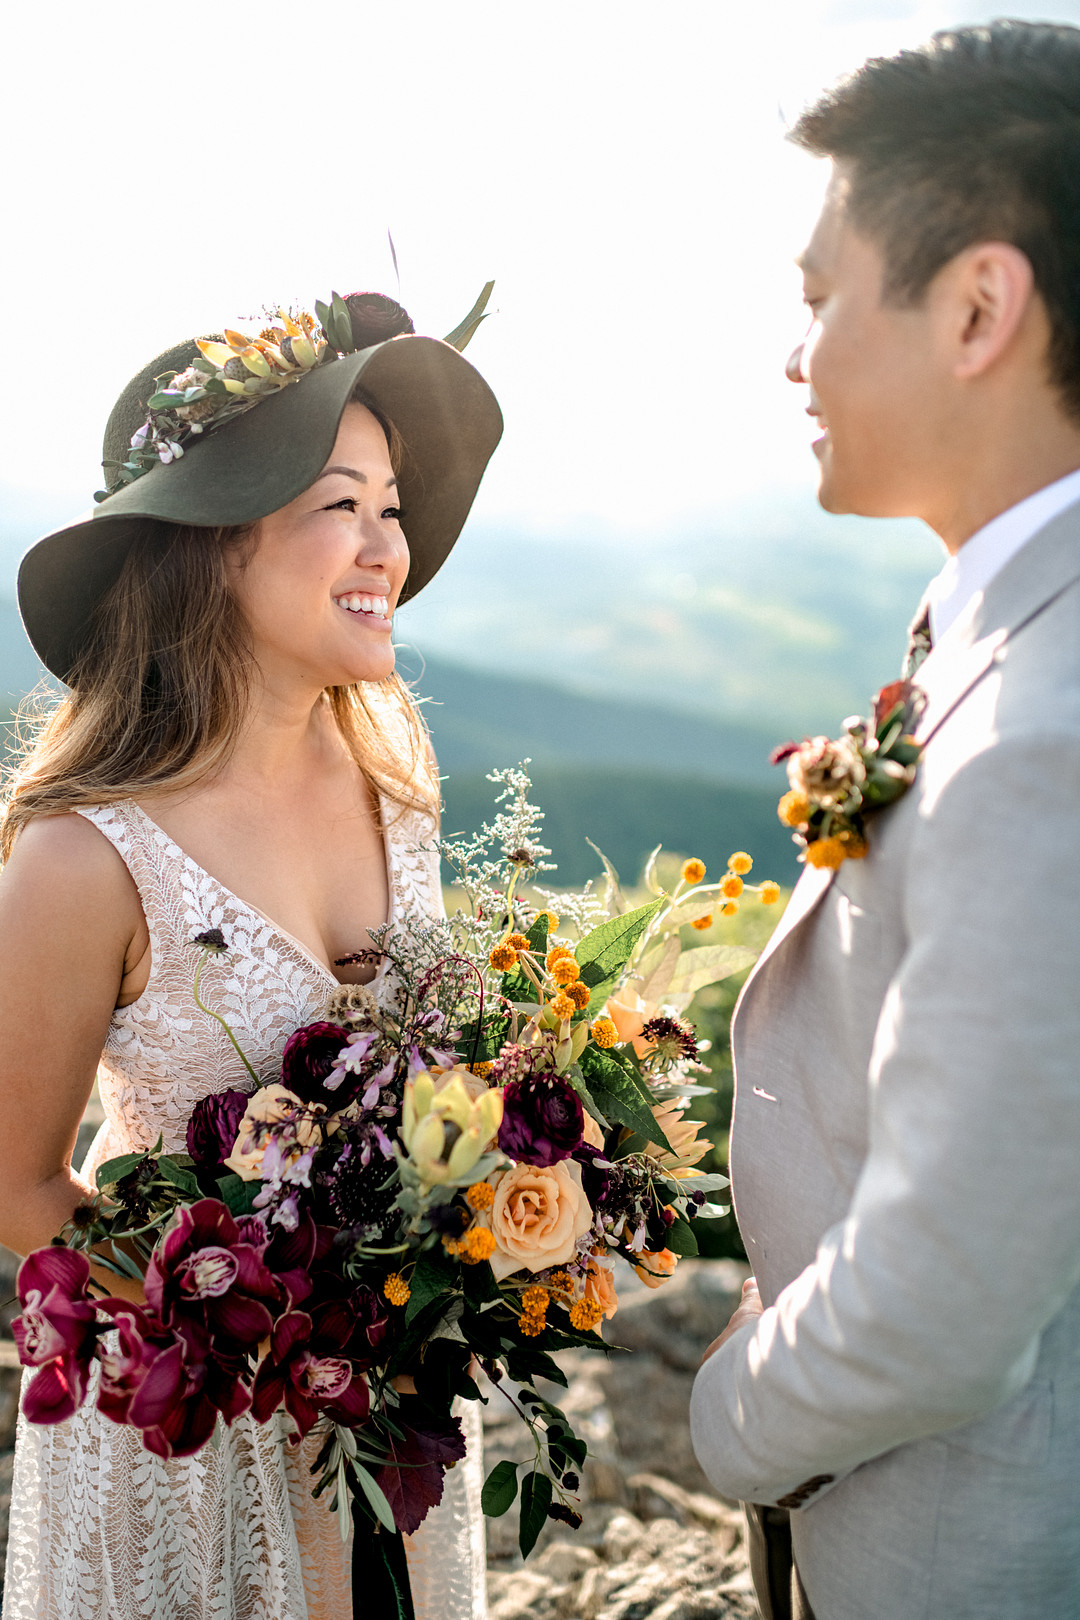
874, 379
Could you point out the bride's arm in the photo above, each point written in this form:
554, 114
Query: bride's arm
69, 919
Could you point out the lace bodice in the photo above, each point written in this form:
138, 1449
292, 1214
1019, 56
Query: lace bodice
101, 1529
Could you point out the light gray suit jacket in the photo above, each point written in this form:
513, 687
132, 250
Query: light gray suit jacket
906, 1158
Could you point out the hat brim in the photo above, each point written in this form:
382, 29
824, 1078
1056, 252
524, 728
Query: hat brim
449, 422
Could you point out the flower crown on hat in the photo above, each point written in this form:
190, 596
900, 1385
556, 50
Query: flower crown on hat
228, 377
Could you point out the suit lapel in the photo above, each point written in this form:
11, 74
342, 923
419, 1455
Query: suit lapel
1047, 565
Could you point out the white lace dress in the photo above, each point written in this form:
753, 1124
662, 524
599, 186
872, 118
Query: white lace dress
101, 1529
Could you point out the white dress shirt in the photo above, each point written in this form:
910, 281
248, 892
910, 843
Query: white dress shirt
991, 547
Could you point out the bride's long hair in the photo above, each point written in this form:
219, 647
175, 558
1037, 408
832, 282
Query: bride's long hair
162, 688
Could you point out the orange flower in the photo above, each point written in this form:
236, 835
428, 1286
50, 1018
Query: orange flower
564, 970
729, 908
693, 870
770, 892
555, 951
481, 1195
477, 1244
654, 1269
739, 863
532, 1326
603, 1032
731, 887
397, 1289
563, 1007
794, 809
830, 852
579, 994
585, 1314
518, 941
552, 921
503, 957
702, 923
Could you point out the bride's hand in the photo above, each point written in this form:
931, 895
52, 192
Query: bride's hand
748, 1309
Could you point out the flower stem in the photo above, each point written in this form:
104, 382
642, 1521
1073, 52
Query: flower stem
209, 1011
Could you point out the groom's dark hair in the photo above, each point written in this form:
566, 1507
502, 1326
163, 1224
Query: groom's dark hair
973, 137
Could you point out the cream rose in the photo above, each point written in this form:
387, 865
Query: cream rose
537, 1216
592, 1133
272, 1105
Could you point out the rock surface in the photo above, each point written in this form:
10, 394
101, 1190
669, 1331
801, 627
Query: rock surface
655, 1542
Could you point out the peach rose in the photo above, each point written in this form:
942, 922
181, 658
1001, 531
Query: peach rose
592, 1132
537, 1216
654, 1269
271, 1105
630, 1014
600, 1285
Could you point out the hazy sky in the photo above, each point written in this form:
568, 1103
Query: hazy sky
617, 167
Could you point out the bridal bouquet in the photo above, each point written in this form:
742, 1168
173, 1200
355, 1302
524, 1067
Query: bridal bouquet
440, 1176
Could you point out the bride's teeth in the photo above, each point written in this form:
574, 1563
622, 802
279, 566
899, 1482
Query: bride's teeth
377, 606
365, 604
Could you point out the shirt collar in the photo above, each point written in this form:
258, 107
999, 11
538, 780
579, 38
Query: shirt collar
982, 557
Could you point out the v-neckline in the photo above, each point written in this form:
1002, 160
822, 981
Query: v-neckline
256, 911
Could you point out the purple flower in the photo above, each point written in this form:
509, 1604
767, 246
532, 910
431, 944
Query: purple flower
165, 1382
308, 1061
375, 318
308, 1382
543, 1120
57, 1331
214, 1126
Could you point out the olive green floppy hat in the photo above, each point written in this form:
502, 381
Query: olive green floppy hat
267, 452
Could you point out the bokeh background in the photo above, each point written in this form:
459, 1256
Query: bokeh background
646, 597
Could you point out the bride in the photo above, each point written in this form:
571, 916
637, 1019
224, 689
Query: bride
235, 753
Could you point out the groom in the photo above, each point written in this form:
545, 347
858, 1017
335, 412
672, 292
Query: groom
900, 1406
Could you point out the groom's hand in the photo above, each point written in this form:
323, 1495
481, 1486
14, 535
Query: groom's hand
747, 1310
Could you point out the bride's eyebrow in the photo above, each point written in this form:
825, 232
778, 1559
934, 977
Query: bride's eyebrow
351, 472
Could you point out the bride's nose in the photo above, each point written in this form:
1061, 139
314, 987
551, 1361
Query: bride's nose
793, 371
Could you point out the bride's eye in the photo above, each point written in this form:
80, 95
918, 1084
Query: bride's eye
348, 502
392, 512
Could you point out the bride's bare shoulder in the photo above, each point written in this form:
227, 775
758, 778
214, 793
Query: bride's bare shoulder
64, 866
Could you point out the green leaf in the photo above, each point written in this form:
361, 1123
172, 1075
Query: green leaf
461, 334
434, 1276
535, 1501
657, 969
680, 1237
170, 1171
340, 331
620, 1093
708, 965
375, 1495
604, 952
500, 1489
648, 877
538, 935
126, 1263
238, 1195
114, 1170
322, 315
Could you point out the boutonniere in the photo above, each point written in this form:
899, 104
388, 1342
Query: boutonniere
835, 785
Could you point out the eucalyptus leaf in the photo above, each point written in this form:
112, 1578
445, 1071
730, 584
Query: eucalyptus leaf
461, 334
659, 968
708, 965
376, 1496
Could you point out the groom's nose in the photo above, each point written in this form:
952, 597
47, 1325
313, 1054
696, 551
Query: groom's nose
793, 371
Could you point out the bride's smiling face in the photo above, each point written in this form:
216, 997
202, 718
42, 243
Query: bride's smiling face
320, 587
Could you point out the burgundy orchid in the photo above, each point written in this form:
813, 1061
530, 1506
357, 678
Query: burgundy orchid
309, 1383
57, 1331
202, 1270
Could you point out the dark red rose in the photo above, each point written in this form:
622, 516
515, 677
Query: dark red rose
543, 1120
309, 1056
212, 1128
375, 318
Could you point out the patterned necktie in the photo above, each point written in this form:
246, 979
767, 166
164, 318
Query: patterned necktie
920, 643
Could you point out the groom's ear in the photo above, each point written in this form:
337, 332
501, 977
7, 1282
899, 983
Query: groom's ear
989, 306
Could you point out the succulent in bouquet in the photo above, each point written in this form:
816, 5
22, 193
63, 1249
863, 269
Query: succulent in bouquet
440, 1178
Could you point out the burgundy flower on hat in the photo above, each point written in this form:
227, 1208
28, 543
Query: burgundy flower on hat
375, 318
57, 1331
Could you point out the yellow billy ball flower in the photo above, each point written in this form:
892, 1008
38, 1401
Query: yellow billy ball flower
535, 1300
794, 810
478, 1244
579, 994
531, 1326
604, 1032
560, 1282
563, 1007
828, 852
397, 1289
564, 970
481, 1070
693, 870
731, 887
518, 941
702, 923
729, 908
739, 863
770, 892
503, 957
481, 1195
585, 1313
